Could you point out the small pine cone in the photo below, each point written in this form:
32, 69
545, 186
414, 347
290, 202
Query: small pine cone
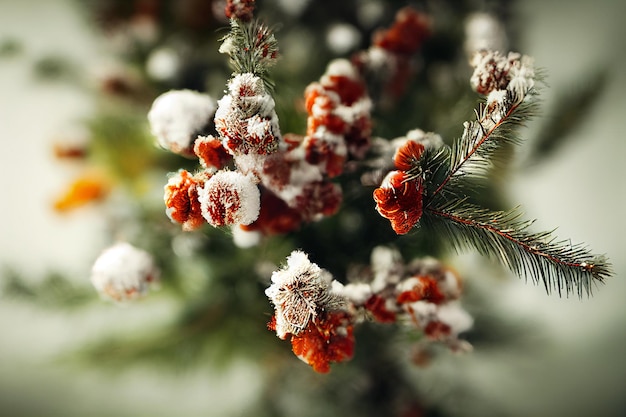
329, 338
490, 72
299, 291
494, 71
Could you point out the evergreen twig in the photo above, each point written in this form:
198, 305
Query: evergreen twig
501, 235
504, 236
252, 48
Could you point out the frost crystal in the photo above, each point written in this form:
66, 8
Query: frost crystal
229, 198
178, 116
123, 272
245, 239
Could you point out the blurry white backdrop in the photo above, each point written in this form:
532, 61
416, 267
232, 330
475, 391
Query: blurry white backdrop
581, 372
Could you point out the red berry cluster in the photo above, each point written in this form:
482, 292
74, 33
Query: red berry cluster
318, 314
245, 118
339, 122
295, 179
293, 173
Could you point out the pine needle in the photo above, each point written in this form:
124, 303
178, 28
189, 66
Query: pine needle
504, 236
475, 151
252, 48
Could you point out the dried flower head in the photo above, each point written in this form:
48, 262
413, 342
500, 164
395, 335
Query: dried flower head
123, 272
494, 71
211, 153
389, 60
181, 199
399, 199
178, 117
408, 155
275, 217
342, 77
407, 33
229, 198
299, 292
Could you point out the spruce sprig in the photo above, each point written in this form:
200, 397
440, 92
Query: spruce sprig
252, 48
501, 235
505, 236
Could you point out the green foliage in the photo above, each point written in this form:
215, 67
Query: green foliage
502, 236
10, 47
252, 48
54, 291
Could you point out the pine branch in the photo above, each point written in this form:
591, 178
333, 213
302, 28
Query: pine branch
504, 236
474, 153
449, 174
